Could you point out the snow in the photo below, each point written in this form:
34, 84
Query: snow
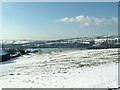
17, 41
66, 69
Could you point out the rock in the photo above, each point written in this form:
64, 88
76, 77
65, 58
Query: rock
18, 73
58, 71
11, 74
64, 72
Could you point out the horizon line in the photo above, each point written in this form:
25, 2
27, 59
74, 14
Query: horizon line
57, 39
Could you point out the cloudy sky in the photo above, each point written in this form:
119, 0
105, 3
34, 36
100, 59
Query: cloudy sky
50, 20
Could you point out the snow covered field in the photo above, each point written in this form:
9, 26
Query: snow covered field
67, 69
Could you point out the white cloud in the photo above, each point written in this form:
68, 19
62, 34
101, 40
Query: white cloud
115, 19
86, 20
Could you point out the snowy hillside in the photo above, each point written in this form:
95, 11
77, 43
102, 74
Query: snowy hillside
68, 69
70, 40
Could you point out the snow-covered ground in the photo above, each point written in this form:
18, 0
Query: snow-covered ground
67, 69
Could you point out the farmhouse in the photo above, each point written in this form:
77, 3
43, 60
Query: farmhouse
4, 56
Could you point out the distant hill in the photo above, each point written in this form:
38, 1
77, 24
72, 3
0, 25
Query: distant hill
82, 42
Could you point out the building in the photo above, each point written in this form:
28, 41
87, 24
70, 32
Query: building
4, 55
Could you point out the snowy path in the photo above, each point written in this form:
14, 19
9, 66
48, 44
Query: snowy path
71, 69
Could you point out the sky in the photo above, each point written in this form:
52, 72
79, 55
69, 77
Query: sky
58, 20
60, 0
